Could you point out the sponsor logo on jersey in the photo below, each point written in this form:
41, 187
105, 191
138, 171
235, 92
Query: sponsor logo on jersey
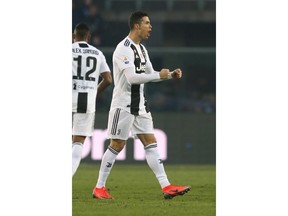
86, 87
79, 87
141, 68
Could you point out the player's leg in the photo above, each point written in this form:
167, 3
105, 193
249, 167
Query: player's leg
143, 127
119, 124
153, 158
82, 126
108, 160
77, 147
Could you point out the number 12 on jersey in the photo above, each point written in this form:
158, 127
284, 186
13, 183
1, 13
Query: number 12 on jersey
90, 62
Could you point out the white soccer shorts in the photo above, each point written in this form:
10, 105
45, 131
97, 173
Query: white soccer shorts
83, 124
121, 122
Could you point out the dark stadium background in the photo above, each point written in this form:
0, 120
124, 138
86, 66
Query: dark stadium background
184, 35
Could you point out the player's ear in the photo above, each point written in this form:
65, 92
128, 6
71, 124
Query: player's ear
137, 26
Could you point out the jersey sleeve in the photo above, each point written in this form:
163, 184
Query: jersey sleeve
124, 58
142, 78
104, 66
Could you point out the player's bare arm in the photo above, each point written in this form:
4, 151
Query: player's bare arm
105, 82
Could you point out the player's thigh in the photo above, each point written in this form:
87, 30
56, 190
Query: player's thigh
83, 124
119, 124
144, 129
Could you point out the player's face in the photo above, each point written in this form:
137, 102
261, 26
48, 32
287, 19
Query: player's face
145, 28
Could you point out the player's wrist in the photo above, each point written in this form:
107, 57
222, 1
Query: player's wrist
170, 75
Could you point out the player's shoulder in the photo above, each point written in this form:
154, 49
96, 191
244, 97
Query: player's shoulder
124, 46
89, 49
97, 51
75, 45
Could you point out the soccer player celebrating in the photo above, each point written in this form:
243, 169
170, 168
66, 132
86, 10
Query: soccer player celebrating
129, 111
87, 64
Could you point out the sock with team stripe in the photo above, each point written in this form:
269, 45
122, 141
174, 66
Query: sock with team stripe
76, 155
107, 163
156, 164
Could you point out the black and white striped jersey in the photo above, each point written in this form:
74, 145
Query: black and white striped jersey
87, 64
127, 96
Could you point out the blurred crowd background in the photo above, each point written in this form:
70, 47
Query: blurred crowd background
183, 35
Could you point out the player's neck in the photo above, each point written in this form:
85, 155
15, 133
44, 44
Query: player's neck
77, 39
134, 37
82, 40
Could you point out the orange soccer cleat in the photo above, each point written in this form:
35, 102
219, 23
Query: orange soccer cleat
171, 191
101, 193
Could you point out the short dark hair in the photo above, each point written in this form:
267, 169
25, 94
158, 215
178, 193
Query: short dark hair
81, 30
136, 17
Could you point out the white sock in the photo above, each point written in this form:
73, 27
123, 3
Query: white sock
76, 155
107, 163
155, 163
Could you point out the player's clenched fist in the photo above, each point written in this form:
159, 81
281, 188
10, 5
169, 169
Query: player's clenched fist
177, 73
164, 73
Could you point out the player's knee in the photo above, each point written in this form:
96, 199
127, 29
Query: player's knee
78, 139
147, 139
150, 140
117, 144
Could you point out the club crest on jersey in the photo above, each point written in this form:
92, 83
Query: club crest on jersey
141, 68
126, 61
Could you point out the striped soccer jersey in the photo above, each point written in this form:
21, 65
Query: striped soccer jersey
130, 97
87, 64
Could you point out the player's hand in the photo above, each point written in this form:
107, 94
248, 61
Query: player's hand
164, 73
177, 73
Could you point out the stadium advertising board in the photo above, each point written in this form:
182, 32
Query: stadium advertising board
181, 138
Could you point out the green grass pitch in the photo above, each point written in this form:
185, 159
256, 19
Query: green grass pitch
136, 191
